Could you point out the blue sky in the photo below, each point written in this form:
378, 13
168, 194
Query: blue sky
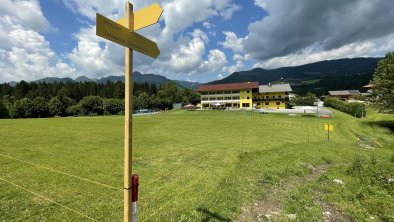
199, 40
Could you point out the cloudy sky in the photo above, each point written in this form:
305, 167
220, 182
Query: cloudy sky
200, 40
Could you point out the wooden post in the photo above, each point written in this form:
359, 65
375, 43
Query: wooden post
328, 132
128, 118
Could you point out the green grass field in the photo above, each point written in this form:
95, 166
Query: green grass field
195, 166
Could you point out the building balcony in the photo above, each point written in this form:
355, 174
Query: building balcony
220, 101
220, 95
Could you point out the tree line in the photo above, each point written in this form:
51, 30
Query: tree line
40, 99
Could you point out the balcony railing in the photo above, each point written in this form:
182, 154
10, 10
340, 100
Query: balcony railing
220, 101
220, 95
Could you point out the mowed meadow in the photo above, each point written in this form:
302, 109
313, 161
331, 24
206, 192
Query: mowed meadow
198, 166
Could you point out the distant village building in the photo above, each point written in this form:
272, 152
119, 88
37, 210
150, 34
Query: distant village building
344, 94
369, 89
244, 95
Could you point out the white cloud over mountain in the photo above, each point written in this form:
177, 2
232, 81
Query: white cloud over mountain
181, 52
297, 32
24, 52
192, 41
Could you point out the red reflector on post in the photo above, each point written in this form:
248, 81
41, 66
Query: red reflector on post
134, 187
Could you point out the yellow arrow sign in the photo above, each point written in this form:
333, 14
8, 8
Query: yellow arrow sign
115, 32
144, 17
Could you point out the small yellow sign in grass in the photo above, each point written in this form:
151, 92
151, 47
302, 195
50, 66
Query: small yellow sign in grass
328, 127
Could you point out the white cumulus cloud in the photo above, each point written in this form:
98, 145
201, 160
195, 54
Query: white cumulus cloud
216, 61
181, 52
24, 52
293, 27
367, 48
232, 42
27, 13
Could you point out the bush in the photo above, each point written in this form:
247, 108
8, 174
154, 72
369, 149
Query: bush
3, 110
92, 105
9, 103
58, 105
308, 100
40, 107
74, 110
55, 107
24, 108
113, 106
354, 109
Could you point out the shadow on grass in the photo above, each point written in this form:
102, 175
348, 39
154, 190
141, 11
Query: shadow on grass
211, 216
386, 124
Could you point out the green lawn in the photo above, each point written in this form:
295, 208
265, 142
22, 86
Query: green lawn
193, 166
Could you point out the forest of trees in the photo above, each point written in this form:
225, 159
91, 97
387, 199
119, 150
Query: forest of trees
36, 99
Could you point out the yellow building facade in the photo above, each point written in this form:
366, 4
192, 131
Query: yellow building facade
249, 95
246, 99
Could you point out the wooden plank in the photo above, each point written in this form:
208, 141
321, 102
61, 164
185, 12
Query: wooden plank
115, 32
144, 17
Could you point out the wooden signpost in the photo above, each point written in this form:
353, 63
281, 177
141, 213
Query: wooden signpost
122, 32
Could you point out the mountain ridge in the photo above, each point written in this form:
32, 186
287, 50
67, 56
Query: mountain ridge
317, 77
338, 67
137, 77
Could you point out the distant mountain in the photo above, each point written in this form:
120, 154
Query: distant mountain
84, 79
12, 83
187, 84
312, 71
318, 77
137, 77
152, 78
55, 79
110, 79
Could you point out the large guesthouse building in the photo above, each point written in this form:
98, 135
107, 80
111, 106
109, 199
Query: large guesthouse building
244, 95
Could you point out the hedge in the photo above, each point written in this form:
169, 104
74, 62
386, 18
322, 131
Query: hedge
355, 109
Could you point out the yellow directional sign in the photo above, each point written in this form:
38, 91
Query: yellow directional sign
115, 32
144, 17
328, 127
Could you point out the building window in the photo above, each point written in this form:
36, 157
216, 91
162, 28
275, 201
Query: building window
235, 91
247, 91
267, 104
279, 97
248, 97
245, 104
273, 97
278, 103
267, 97
236, 98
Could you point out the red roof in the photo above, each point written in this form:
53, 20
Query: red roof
228, 86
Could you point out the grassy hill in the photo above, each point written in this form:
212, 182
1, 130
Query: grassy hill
197, 166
